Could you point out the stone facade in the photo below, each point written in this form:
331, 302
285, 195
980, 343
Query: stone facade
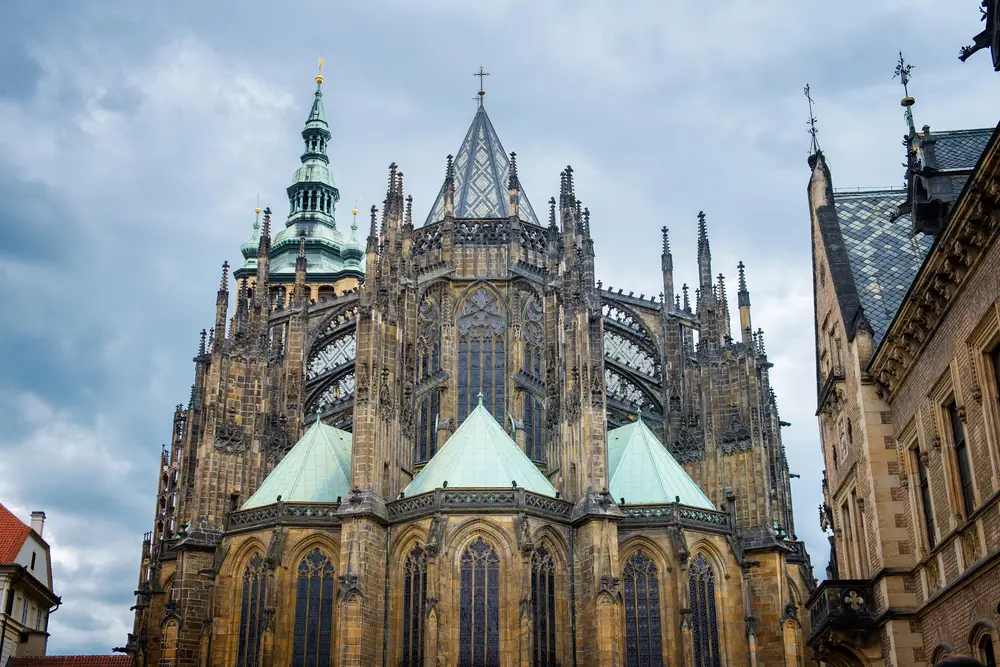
911, 494
387, 359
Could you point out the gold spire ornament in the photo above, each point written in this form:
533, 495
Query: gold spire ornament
319, 74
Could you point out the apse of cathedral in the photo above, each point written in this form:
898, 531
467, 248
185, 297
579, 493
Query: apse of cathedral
446, 443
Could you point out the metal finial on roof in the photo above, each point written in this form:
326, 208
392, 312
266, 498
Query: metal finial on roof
481, 74
638, 413
319, 72
479, 397
814, 147
903, 69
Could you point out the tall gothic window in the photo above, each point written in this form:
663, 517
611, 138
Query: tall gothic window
703, 614
531, 365
312, 638
543, 601
482, 362
428, 363
643, 647
479, 614
414, 594
961, 459
252, 613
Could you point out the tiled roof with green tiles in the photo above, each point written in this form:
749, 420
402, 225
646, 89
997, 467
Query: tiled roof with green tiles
643, 471
316, 470
480, 455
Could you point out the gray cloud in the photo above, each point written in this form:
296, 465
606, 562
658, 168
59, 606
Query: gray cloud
134, 140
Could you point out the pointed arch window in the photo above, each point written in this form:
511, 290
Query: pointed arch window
704, 619
428, 363
252, 597
643, 643
482, 360
479, 611
313, 634
531, 366
414, 596
543, 602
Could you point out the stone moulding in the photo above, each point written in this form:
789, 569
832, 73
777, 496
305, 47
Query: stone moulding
675, 514
285, 514
498, 501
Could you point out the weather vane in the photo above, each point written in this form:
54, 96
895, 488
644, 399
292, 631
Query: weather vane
319, 73
481, 74
903, 69
812, 121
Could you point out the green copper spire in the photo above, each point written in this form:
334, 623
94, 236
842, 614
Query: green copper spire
249, 249
313, 194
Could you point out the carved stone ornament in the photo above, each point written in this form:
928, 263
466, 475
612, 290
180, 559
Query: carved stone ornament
230, 437
435, 535
679, 544
523, 533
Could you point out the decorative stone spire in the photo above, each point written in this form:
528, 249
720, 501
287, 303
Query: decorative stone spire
667, 266
513, 187
221, 306
449, 188
704, 258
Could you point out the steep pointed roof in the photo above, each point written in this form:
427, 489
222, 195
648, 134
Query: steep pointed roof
643, 471
480, 455
316, 470
482, 170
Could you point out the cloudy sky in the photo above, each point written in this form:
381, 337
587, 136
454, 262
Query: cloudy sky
136, 137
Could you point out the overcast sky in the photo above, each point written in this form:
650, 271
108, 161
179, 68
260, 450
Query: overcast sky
136, 137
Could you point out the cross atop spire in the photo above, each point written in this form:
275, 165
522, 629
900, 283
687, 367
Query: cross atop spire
481, 74
814, 148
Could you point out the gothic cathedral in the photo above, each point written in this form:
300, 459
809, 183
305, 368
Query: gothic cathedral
450, 445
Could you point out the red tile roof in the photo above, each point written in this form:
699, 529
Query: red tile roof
13, 533
72, 661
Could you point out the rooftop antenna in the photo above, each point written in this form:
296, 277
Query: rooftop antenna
481, 74
814, 148
903, 69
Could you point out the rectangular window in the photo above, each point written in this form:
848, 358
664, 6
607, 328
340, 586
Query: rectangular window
995, 360
38, 620
961, 459
9, 606
925, 499
848, 530
24, 613
33, 556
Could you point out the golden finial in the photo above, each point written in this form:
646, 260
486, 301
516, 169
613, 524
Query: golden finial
354, 211
319, 74
257, 210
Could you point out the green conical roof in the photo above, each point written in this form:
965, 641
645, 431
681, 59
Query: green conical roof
316, 470
480, 455
643, 471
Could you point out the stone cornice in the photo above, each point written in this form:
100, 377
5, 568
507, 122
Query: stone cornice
953, 259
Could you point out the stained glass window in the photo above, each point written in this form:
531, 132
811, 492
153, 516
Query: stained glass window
643, 644
482, 367
428, 363
313, 634
704, 620
252, 613
479, 611
543, 601
414, 595
531, 365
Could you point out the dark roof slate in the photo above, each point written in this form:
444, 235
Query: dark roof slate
960, 149
884, 254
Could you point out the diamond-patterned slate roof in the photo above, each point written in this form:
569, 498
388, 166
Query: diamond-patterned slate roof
482, 170
885, 256
960, 149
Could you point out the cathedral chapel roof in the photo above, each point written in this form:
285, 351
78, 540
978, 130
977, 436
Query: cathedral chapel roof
641, 470
482, 172
480, 455
316, 470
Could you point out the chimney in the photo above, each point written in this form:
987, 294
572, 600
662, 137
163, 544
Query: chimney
38, 522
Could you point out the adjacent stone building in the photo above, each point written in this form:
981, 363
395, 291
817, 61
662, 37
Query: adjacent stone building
907, 287
451, 445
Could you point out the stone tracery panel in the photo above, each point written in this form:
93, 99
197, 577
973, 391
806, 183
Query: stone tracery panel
331, 356
624, 391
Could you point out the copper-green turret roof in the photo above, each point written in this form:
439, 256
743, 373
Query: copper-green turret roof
643, 471
316, 470
480, 455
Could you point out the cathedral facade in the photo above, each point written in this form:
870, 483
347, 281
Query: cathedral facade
449, 444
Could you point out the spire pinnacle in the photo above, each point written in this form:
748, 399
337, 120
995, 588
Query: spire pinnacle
903, 69
741, 267
702, 230
224, 285
552, 212
481, 74
814, 147
687, 299
319, 72
666, 240
722, 287
513, 183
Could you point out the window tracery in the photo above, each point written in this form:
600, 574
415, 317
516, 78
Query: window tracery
428, 363
332, 355
704, 619
479, 610
625, 351
252, 597
414, 596
482, 330
313, 633
533, 332
623, 390
641, 584
543, 602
